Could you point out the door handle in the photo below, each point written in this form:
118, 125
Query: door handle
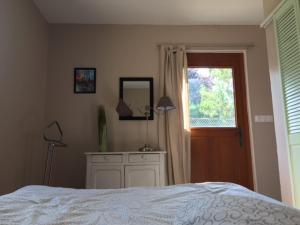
241, 137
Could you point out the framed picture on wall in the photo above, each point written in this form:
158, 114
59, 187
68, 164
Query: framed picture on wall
84, 80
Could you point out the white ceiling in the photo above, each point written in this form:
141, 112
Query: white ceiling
154, 12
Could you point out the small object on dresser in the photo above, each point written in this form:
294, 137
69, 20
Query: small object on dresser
146, 148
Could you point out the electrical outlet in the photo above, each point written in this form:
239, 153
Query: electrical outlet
263, 119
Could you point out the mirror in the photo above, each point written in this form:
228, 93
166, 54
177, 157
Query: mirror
137, 93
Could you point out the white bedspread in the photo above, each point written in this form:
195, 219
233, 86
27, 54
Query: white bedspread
210, 203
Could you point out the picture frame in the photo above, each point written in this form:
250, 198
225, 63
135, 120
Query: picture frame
136, 82
84, 80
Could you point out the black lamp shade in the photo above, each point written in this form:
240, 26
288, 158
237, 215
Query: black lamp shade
165, 104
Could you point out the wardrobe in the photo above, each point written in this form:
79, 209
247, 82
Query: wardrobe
283, 42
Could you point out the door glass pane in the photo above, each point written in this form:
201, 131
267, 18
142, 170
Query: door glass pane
211, 94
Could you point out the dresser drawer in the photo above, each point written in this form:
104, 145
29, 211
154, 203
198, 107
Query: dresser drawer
107, 158
138, 158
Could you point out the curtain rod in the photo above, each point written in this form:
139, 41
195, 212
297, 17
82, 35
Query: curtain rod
213, 46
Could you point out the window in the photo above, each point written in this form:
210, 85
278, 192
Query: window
211, 93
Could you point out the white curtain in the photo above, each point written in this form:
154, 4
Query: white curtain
174, 84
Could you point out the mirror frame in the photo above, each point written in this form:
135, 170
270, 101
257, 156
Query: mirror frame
150, 79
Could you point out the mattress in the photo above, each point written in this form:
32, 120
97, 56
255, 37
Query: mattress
190, 204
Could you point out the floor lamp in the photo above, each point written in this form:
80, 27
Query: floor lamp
164, 105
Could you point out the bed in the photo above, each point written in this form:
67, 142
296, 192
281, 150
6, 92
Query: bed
190, 204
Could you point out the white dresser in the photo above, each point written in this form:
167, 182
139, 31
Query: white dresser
125, 169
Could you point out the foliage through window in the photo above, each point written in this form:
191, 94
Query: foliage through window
211, 95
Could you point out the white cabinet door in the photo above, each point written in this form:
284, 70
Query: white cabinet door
142, 176
107, 177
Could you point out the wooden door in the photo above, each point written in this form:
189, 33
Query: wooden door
220, 148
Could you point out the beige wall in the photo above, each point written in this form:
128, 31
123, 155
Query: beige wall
23, 58
270, 5
131, 51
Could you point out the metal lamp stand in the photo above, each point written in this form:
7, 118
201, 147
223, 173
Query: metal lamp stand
146, 147
52, 143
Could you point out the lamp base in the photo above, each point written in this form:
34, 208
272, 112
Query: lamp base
146, 148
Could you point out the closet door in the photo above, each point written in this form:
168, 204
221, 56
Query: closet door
287, 22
